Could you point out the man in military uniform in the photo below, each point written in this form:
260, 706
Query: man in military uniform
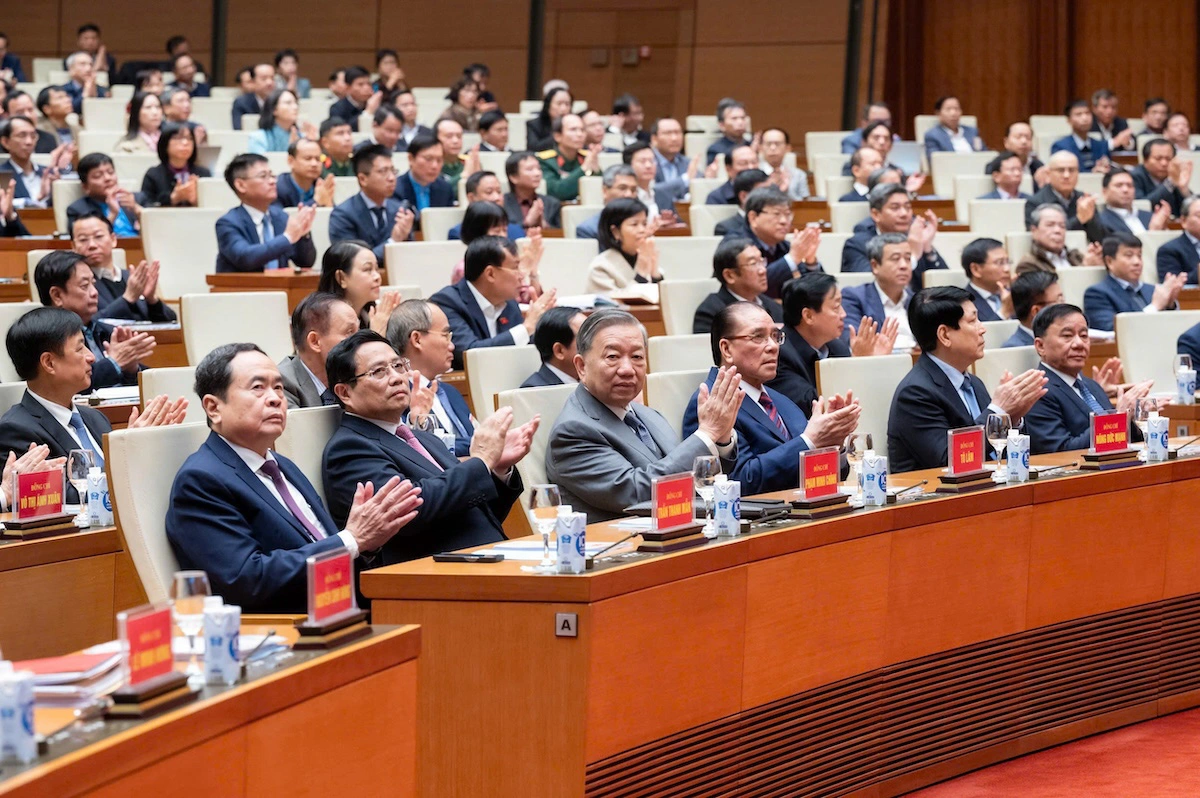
568, 161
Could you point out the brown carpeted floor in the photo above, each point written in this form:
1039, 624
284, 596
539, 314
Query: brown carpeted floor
1156, 759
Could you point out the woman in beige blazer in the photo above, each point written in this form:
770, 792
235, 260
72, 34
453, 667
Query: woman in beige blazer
145, 124
628, 251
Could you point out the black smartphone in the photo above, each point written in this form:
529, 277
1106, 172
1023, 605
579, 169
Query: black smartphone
451, 556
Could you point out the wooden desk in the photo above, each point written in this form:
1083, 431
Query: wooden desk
872, 653
1189, 298
297, 285
39, 221
341, 722
13, 252
1185, 419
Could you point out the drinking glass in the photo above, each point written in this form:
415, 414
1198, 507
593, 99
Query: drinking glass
704, 475
188, 592
1182, 362
79, 462
544, 501
1142, 411
998, 425
855, 446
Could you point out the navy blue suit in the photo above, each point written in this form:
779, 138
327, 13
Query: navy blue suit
925, 407
982, 306
765, 461
1176, 256
852, 196
455, 405
855, 259
722, 195
441, 195
1103, 301
463, 505
1115, 224
778, 270
853, 142
938, 140
287, 192
1019, 338
542, 378
995, 194
863, 300
76, 92
28, 421
223, 519
239, 248
19, 192
1097, 149
13, 61
346, 110
796, 372
1189, 344
1061, 420
106, 373
246, 104
354, 220
467, 322
588, 228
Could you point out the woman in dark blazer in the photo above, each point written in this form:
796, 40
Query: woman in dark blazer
173, 182
539, 133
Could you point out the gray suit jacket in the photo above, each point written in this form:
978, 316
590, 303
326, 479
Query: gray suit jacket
600, 465
297, 385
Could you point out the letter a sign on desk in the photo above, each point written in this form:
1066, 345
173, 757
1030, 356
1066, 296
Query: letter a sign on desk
671, 500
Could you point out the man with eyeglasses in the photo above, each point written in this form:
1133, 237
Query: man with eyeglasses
742, 272
257, 236
769, 217
1080, 208
892, 212
372, 215
124, 294
771, 429
463, 503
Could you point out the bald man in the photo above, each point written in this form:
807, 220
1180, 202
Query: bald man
1063, 173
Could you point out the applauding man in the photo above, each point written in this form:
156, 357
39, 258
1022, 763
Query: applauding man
128, 294
372, 215
257, 235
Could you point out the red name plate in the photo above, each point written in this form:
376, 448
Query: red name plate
39, 494
1110, 432
330, 587
672, 501
966, 450
819, 473
149, 638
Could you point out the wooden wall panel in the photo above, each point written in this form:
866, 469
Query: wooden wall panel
137, 29
771, 22
81, 617
212, 768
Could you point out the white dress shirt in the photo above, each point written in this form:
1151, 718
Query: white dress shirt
958, 140
1130, 218
753, 394
898, 311
33, 186
63, 416
257, 217
647, 198
491, 315
1058, 259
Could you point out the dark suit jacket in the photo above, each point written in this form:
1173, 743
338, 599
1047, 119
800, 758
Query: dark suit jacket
1019, 338
76, 92
541, 378
81, 206
1097, 149
765, 461
441, 195
852, 196
222, 519
713, 303
855, 259
352, 219
1119, 125
995, 194
13, 228
19, 191
863, 300
722, 195
113, 304
159, 182
735, 225
463, 505
239, 250
1093, 228
105, 373
1176, 256
796, 372
197, 89
1115, 224
246, 104
982, 306
551, 210
1061, 421
722, 147
287, 193
1189, 344
467, 322
458, 408
29, 422
924, 408
13, 61
345, 109
778, 270
1103, 301
938, 140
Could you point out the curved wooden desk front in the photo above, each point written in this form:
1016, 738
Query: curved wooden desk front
875, 652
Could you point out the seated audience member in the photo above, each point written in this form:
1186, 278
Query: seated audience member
626, 120
628, 253
1060, 421
31, 182
350, 271
772, 430
769, 220
1107, 124
813, 323
420, 332
262, 83
1122, 290
485, 187
482, 309
734, 124
372, 215
482, 75
64, 280
454, 164
58, 117
539, 131
302, 184
872, 112
386, 126
319, 322
863, 164
659, 203
423, 186
87, 39
48, 351
484, 218
1119, 216
563, 165
741, 269
1031, 291
595, 127
145, 124
361, 97
523, 204
617, 182
1092, 153
287, 74
1007, 171
81, 80
986, 263
940, 393
184, 68
177, 108
248, 516
1162, 176
1189, 344
554, 338
1182, 255
673, 170
891, 212
493, 132
1080, 208
1048, 247
337, 83
337, 146
1178, 131
257, 236
888, 297
949, 135
103, 194
462, 503
1154, 116
391, 75
10, 63
1018, 138
406, 104
128, 294
11, 225
463, 97
774, 148
745, 183
149, 81
17, 103
606, 447
244, 80
879, 137
174, 182
737, 160
279, 126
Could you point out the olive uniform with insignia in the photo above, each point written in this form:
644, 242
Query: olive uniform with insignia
452, 172
562, 175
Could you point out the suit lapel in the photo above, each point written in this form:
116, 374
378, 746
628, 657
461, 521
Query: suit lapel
953, 396
54, 431
660, 433
1067, 392
392, 443
756, 414
230, 458
474, 314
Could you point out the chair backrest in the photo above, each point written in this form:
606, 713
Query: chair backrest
526, 403
669, 392
424, 263
233, 140
96, 140
824, 167
493, 369
823, 142
701, 123
104, 113
344, 188
946, 165
42, 67
829, 251
998, 332
837, 186
686, 257
10, 394
1146, 345
141, 465
494, 162
997, 360
703, 186
679, 300
591, 190
997, 218
1090, 183
216, 113
565, 264
844, 215
923, 123
697, 144
1151, 241
303, 440
1076, 281
436, 222
1051, 126
184, 240
680, 352
133, 165
951, 276
704, 218
9, 313
873, 380
847, 279
214, 192
950, 247
517, 140
1019, 244
970, 187
260, 317
174, 381
572, 215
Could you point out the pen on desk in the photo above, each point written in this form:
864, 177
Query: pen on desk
911, 488
270, 633
1187, 443
768, 518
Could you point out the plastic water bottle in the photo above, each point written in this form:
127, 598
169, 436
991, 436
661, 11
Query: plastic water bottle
99, 503
221, 625
16, 714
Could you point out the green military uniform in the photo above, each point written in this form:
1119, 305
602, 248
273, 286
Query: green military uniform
453, 172
562, 175
336, 168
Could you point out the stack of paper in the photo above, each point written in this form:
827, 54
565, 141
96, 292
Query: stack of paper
74, 680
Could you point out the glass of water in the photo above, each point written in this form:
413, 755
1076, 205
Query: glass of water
704, 476
855, 446
1142, 411
998, 425
79, 463
544, 501
188, 592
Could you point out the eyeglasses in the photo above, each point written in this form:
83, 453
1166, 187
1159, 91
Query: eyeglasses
759, 338
262, 176
448, 333
778, 213
381, 372
386, 172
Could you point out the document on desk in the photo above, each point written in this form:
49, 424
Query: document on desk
530, 550
117, 394
142, 326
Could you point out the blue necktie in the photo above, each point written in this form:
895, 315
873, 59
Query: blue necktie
460, 429
89, 337
85, 440
1087, 397
268, 233
1139, 301
968, 394
639, 429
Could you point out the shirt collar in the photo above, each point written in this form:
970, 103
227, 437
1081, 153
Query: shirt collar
1062, 375
983, 293
1195, 241
1081, 142
955, 376
316, 380
562, 375
1126, 284
1028, 330
387, 426
371, 205
860, 189
61, 414
253, 460
752, 393
109, 272
887, 300
1124, 213
755, 300
489, 310
256, 215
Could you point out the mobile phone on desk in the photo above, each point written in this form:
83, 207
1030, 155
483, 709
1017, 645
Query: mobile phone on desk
452, 556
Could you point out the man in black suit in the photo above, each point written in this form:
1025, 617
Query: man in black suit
737, 160
406, 104
554, 338
743, 184
463, 503
102, 193
1112, 128
493, 132
64, 280
386, 126
81, 74
1182, 255
258, 235
986, 263
1154, 116
940, 394
18, 103
1061, 420
1161, 176
626, 120
423, 186
769, 219
742, 271
523, 204
372, 215
1063, 171
734, 123
302, 184
1119, 215
1031, 291
1007, 171
482, 308
863, 163
123, 294
263, 77
49, 352
359, 94
891, 212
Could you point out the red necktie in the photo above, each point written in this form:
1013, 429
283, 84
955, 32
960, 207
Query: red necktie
773, 414
406, 435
